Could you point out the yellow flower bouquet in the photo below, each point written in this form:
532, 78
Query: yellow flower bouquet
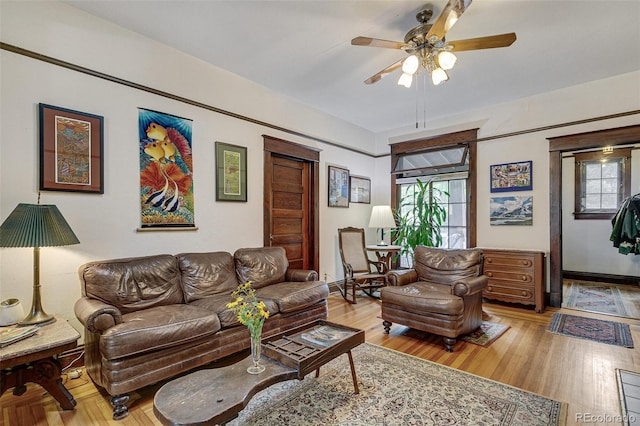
252, 313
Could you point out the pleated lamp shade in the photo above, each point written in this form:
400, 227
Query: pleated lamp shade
36, 225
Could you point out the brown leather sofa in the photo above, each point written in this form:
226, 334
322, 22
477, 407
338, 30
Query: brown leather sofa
150, 318
441, 295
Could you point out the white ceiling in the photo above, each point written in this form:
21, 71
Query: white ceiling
302, 48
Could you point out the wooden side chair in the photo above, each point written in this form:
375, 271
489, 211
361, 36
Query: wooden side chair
360, 272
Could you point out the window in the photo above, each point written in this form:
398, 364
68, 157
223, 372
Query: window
449, 162
602, 181
454, 230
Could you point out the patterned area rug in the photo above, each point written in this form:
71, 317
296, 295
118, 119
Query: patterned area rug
486, 334
397, 389
610, 332
596, 297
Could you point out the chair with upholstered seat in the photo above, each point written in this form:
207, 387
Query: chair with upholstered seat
360, 272
442, 294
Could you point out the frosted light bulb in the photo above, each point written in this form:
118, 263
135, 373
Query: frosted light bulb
446, 60
405, 80
438, 76
410, 65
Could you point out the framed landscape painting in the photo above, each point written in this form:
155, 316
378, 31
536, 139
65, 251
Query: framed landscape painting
511, 210
71, 150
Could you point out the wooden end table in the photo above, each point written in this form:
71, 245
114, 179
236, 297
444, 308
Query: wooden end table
216, 396
384, 253
34, 360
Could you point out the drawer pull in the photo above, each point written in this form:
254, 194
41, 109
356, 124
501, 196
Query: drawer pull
524, 293
489, 260
524, 278
489, 274
489, 288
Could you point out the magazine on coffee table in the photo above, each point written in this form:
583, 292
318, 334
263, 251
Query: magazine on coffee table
9, 335
325, 335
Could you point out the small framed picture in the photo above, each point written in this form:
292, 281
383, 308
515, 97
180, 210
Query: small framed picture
71, 150
511, 177
360, 190
338, 187
231, 172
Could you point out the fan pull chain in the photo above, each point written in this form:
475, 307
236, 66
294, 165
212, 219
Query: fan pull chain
424, 101
417, 99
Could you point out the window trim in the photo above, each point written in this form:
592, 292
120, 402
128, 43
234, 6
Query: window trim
604, 214
468, 137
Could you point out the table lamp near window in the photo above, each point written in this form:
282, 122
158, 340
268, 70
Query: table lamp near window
382, 217
36, 225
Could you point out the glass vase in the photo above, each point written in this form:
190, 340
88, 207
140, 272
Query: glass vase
256, 336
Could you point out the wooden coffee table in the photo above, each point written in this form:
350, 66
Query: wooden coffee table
34, 360
216, 396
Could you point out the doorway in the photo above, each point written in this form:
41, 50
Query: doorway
557, 146
291, 208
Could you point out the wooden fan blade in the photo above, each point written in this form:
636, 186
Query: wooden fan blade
388, 70
376, 42
489, 42
449, 16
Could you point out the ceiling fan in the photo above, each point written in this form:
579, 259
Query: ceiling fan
427, 47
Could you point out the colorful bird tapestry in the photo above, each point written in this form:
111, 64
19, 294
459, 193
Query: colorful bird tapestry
166, 170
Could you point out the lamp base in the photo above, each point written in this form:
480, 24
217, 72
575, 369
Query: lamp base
37, 318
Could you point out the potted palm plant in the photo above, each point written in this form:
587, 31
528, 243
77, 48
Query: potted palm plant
419, 218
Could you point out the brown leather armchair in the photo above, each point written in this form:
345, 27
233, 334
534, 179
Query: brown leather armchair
441, 295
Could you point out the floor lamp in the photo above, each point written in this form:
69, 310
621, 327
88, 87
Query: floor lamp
36, 225
382, 217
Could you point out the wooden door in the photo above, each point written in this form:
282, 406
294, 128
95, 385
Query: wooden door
290, 202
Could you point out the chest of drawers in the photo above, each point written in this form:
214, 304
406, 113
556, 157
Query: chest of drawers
515, 276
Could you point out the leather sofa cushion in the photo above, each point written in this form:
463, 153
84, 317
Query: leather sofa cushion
132, 284
446, 266
423, 297
156, 328
262, 266
206, 274
217, 304
294, 296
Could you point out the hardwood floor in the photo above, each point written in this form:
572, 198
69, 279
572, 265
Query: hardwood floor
579, 372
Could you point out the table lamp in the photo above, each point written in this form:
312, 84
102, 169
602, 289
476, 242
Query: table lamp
382, 217
36, 225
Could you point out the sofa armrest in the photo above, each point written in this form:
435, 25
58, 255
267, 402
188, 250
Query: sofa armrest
469, 286
301, 275
402, 277
95, 315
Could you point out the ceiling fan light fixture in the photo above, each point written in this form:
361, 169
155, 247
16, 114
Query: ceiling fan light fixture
411, 64
438, 76
405, 80
446, 60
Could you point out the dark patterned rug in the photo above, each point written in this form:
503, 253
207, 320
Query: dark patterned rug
610, 332
397, 389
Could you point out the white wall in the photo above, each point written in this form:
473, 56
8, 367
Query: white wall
106, 224
586, 246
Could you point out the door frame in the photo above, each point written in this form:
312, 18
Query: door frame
558, 145
311, 156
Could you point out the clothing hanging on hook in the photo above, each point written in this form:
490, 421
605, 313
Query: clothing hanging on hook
626, 226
